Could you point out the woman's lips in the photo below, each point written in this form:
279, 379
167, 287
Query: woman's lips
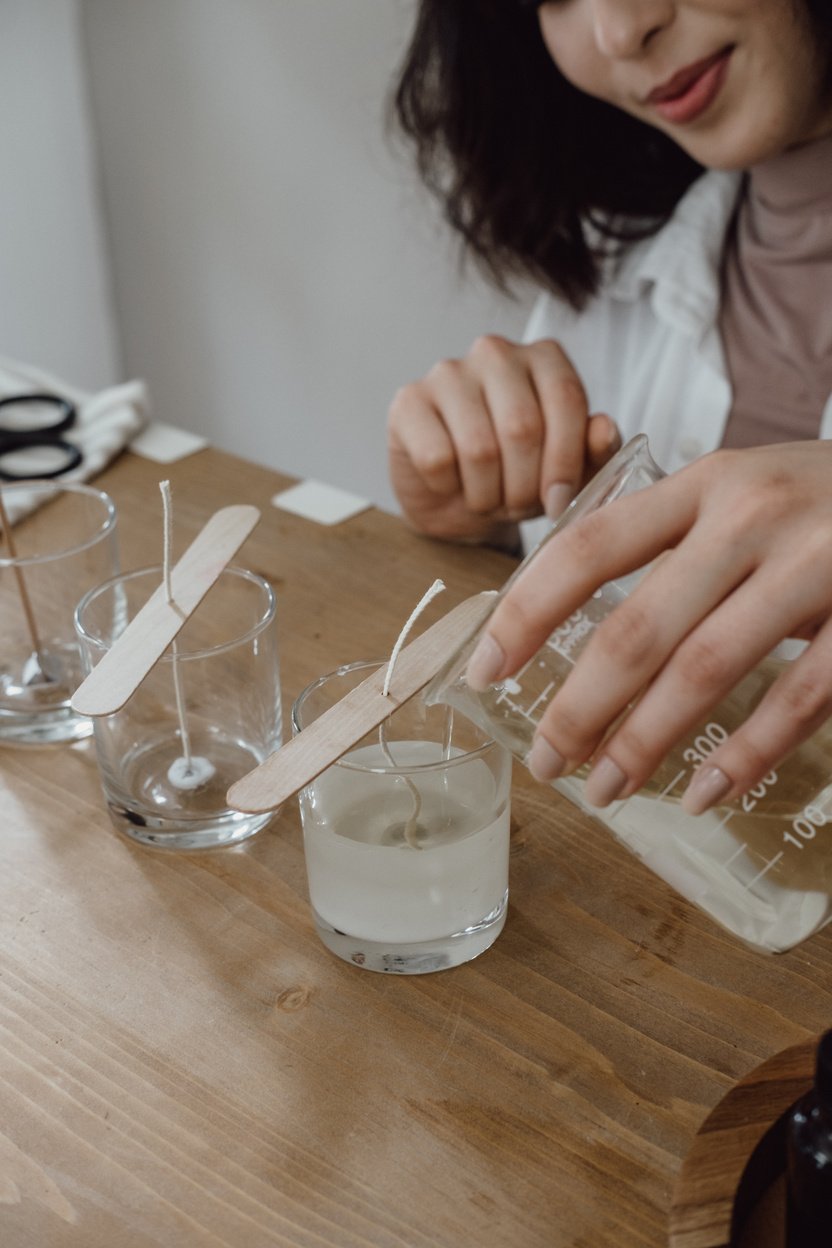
687, 94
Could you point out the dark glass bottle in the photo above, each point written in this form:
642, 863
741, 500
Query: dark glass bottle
809, 1159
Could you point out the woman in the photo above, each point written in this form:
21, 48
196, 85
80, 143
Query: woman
664, 167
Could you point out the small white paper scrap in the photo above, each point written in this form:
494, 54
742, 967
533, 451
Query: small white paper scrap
166, 443
325, 504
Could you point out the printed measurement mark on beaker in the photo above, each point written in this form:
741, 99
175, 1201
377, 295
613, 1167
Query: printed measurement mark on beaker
504, 698
805, 826
542, 697
520, 710
739, 850
667, 788
717, 828
772, 863
565, 639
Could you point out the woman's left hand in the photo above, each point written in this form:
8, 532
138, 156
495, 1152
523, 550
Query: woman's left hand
746, 545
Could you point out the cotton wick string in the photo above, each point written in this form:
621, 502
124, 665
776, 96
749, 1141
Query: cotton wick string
167, 506
436, 588
182, 773
411, 827
167, 538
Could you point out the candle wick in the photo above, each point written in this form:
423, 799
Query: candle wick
167, 539
411, 827
185, 737
436, 588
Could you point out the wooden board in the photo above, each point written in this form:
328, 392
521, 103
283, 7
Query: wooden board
730, 1189
182, 1062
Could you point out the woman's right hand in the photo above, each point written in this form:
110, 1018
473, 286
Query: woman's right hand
497, 437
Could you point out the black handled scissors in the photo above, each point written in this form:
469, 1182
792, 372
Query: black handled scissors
30, 428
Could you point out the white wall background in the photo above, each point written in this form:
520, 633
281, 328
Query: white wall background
56, 307
277, 271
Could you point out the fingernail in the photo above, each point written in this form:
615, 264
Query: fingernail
604, 783
485, 664
613, 438
543, 760
558, 498
708, 786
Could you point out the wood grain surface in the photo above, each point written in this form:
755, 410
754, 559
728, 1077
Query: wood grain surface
183, 1064
730, 1190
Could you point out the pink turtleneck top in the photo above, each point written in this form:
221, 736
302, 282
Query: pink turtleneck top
776, 318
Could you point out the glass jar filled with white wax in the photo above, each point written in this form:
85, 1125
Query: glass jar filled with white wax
406, 837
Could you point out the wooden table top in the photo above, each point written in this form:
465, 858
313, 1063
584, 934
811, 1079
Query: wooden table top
182, 1063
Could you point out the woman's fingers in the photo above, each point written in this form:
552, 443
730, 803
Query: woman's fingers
703, 672
567, 570
510, 404
421, 450
639, 643
504, 433
745, 540
457, 396
602, 442
795, 706
424, 472
565, 412
538, 408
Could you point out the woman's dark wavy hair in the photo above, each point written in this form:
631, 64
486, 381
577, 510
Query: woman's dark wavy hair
522, 161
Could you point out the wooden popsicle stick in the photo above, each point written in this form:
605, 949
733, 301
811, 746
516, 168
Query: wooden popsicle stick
359, 711
148, 635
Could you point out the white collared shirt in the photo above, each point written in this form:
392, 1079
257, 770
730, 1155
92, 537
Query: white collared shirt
647, 347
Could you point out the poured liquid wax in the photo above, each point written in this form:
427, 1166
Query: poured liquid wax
387, 864
762, 864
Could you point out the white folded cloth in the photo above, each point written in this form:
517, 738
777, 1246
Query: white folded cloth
105, 423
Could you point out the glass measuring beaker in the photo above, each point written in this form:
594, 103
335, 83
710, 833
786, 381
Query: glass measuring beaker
760, 865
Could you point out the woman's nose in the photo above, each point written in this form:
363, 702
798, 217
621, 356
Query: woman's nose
623, 28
